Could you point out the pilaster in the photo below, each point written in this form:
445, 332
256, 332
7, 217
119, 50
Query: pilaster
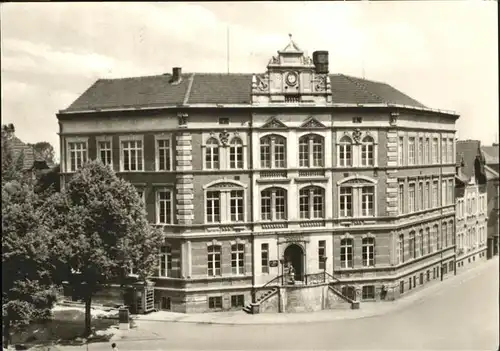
392, 181
184, 179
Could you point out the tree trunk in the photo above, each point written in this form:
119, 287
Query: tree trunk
88, 315
6, 333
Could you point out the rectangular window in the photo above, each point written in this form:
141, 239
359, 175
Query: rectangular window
77, 155
401, 287
164, 155
238, 258
421, 280
367, 203
280, 200
411, 151
166, 261
236, 154
367, 158
215, 302
368, 292
427, 150
236, 203
420, 151
317, 148
411, 198
414, 281
401, 248
104, 152
368, 249
237, 301
345, 157
346, 251
264, 256
345, 202
444, 155
435, 150
409, 283
435, 194
213, 207
401, 151
420, 196
132, 155
164, 206
449, 197
429, 241
450, 150
411, 245
401, 198
212, 154
443, 192
265, 205
213, 261
279, 153
321, 254
428, 196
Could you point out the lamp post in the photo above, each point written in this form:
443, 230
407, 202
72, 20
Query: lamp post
282, 262
324, 268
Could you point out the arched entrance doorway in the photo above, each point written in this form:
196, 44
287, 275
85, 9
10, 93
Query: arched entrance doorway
294, 255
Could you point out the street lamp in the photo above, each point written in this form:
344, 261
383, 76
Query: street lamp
324, 258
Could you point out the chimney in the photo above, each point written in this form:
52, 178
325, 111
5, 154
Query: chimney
320, 60
176, 75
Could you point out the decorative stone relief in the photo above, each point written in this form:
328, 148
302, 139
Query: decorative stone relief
320, 82
393, 118
274, 123
224, 137
262, 82
312, 123
356, 135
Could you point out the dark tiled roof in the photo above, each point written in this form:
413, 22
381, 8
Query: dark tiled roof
18, 148
218, 88
491, 155
467, 150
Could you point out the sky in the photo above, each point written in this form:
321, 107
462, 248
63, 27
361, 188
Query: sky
442, 53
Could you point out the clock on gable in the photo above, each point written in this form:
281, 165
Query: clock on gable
291, 78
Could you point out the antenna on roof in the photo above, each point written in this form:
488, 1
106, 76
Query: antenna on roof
227, 48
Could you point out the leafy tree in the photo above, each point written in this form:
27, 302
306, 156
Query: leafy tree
11, 164
49, 182
46, 151
102, 223
27, 290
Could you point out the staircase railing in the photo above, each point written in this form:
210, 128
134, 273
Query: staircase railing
274, 280
332, 278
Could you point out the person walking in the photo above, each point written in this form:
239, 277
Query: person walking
114, 347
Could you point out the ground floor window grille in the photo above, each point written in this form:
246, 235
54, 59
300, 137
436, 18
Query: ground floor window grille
215, 302
237, 300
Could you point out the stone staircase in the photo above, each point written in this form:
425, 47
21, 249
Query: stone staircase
268, 294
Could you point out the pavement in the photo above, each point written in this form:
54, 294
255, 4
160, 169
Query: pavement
367, 309
460, 313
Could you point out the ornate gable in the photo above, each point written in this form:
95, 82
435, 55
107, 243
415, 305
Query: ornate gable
312, 123
274, 123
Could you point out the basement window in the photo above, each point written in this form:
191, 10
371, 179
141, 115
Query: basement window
215, 302
237, 300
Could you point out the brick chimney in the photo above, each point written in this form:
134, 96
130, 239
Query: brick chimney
176, 75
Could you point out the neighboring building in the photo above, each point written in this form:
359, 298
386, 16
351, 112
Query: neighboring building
471, 204
33, 165
331, 173
492, 173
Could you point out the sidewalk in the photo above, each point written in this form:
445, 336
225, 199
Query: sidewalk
367, 309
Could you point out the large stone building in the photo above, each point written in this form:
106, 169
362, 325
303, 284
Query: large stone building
341, 177
471, 204
492, 168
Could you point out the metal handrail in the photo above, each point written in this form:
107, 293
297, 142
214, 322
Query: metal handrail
335, 280
254, 289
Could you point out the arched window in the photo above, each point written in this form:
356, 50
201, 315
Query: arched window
346, 253
273, 152
345, 152
165, 261
236, 154
311, 203
357, 197
367, 151
411, 245
212, 154
224, 202
214, 260
368, 247
311, 151
273, 204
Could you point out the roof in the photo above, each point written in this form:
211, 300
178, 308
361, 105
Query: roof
466, 153
30, 157
218, 88
491, 155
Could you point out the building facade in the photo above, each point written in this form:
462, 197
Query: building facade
248, 173
492, 167
471, 204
